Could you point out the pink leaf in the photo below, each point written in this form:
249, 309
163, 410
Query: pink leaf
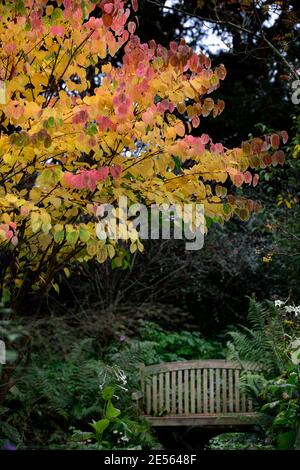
14, 240
285, 136
248, 177
108, 8
116, 171
102, 173
205, 139
57, 30
69, 179
24, 211
10, 47
80, 117
255, 180
9, 233
195, 121
135, 5
267, 159
278, 157
275, 141
131, 27
238, 179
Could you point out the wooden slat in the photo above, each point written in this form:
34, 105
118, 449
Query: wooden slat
237, 391
154, 394
203, 364
179, 377
218, 396
250, 405
186, 391
193, 396
244, 402
205, 401
210, 420
161, 392
199, 391
143, 386
224, 390
211, 391
167, 378
230, 390
174, 393
148, 396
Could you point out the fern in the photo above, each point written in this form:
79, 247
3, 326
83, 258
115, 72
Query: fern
60, 393
264, 342
252, 383
7, 430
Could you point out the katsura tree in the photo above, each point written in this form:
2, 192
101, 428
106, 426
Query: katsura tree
67, 148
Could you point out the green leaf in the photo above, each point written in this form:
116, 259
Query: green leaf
177, 162
111, 411
51, 121
20, 7
271, 405
209, 221
56, 14
84, 234
92, 129
59, 236
80, 436
100, 426
108, 392
72, 237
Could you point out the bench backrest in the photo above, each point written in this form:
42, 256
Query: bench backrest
194, 387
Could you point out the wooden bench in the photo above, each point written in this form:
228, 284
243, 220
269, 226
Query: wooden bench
196, 393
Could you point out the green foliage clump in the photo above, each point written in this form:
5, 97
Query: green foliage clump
273, 341
239, 441
116, 429
266, 339
154, 345
54, 394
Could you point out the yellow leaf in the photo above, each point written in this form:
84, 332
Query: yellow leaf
67, 272
111, 251
132, 247
102, 254
6, 218
11, 198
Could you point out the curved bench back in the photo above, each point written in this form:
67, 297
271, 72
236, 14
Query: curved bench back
194, 387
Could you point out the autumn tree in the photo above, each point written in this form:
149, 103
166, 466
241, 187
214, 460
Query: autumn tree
67, 148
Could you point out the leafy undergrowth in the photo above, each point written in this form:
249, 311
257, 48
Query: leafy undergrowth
64, 391
240, 441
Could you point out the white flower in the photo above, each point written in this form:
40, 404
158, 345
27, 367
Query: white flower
289, 308
278, 303
125, 438
292, 309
